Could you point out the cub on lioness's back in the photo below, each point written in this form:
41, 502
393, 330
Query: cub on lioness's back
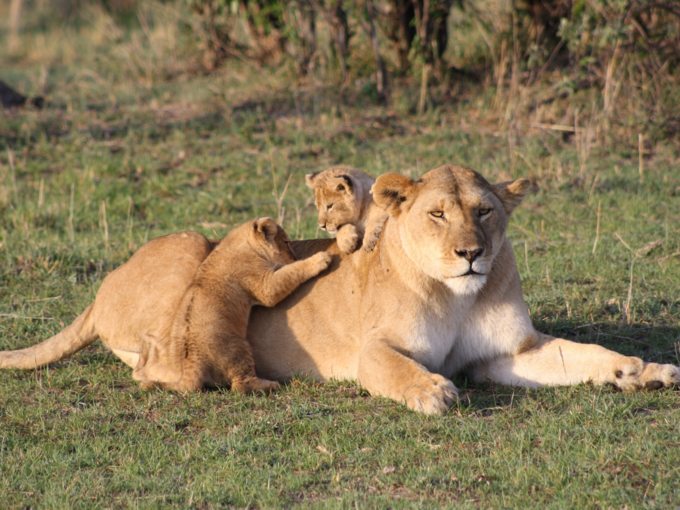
253, 265
346, 208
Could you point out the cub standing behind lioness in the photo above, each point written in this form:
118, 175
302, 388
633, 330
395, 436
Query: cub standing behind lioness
253, 265
343, 197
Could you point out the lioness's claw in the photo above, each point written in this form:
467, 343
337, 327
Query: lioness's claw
434, 398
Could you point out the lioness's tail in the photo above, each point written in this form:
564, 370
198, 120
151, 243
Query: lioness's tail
75, 337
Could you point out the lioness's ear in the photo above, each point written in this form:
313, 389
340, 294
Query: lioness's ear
392, 191
342, 184
267, 228
512, 193
309, 179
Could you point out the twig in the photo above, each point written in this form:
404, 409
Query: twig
43, 299
105, 225
555, 127
72, 233
10, 157
624, 243
629, 299
15, 316
526, 257
640, 158
423, 91
597, 228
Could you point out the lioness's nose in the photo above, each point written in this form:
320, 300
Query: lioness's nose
470, 255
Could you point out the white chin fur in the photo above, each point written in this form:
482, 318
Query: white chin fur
466, 285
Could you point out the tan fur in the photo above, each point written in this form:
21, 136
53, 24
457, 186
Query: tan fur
253, 265
399, 320
346, 208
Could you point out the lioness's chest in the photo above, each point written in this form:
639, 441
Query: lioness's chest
434, 334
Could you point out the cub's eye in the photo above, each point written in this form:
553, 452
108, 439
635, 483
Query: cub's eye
484, 211
437, 214
329, 207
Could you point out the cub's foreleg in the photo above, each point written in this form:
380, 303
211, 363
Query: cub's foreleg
348, 238
373, 229
278, 284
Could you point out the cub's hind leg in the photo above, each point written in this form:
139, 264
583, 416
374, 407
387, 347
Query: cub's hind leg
235, 365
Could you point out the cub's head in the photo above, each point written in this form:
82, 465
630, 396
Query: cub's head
338, 194
451, 222
270, 241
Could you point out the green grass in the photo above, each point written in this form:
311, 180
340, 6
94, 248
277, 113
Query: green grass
205, 153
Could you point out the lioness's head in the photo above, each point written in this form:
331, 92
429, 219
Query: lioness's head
270, 241
339, 193
451, 221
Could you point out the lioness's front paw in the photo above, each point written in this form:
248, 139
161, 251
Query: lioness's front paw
348, 239
433, 398
655, 376
634, 373
320, 261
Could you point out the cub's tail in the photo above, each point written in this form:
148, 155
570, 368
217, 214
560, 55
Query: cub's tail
75, 337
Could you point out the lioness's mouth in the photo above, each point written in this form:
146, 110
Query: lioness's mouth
470, 273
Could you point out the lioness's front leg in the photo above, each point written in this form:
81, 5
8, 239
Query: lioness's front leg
383, 370
559, 362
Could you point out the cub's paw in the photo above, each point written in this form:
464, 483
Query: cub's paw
371, 241
348, 239
320, 261
432, 397
254, 384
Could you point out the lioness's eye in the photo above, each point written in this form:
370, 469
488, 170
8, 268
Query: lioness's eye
329, 207
484, 211
437, 214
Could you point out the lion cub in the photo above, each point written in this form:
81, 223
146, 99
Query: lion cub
253, 265
346, 207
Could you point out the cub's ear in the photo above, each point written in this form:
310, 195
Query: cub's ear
393, 192
310, 178
512, 193
342, 184
267, 228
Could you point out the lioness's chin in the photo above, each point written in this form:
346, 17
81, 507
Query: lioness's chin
466, 285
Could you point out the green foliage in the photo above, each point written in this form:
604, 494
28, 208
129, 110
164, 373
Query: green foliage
596, 28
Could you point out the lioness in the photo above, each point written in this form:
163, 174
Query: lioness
346, 208
253, 265
440, 293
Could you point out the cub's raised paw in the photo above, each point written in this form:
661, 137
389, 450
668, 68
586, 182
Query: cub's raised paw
371, 241
433, 397
348, 239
